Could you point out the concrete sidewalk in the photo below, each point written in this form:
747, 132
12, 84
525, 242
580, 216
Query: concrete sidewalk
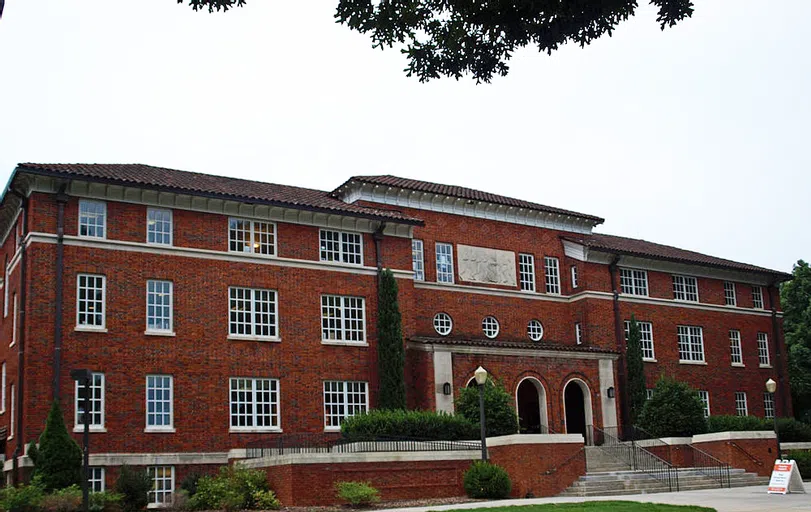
741, 499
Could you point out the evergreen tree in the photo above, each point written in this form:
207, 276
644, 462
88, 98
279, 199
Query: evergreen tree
59, 458
675, 410
390, 350
636, 371
795, 298
500, 418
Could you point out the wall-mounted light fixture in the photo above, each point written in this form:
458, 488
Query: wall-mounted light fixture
446, 388
610, 392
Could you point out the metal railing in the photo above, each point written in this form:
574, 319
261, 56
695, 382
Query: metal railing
578, 455
710, 466
745, 452
635, 456
320, 443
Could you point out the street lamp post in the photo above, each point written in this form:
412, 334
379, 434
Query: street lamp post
83, 377
771, 387
481, 378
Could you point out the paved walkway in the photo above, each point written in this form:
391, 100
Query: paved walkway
741, 499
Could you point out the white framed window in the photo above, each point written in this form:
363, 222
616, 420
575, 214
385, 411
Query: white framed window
341, 246
159, 402
158, 226
159, 306
254, 404
574, 276
552, 274
730, 299
526, 272
757, 297
685, 288
253, 313
96, 411
14, 313
691, 343
633, 282
90, 298
418, 260
343, 319
648, 393
3, 389
741, 408
535, 330
251, 236
443, 324
12, 420
490, 326
343, 399
163, 485
95, 479
735, 353
705, 399
92, 219
444, 263
763, 349
578, 333
768, 405
645, 339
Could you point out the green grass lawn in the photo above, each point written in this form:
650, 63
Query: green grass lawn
595, 506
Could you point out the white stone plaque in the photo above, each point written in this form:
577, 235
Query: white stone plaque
483, 265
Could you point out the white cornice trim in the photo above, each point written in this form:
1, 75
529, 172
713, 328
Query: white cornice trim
705, 307
347, 458
189, 252
499, 351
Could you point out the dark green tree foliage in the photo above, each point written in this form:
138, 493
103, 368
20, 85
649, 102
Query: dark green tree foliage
795, 298
486, 480
500, 417
675, 410
636, 371
390, 350
59, 458
454, 38
412, 424
134, 485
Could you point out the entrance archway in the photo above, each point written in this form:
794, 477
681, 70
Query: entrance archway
577, 408
530, 402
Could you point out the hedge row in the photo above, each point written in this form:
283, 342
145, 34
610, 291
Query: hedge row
790, 430
409, 424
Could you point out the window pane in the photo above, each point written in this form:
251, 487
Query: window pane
552, 273
417, 262
343, 399
526, 272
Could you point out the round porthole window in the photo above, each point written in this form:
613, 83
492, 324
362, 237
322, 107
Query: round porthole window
490, 326
443, 324
535, 330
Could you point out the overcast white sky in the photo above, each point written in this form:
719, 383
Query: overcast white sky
696, 136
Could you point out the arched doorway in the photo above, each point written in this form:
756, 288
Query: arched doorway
530, 402
577, 408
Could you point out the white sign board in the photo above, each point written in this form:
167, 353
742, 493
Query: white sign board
785, 478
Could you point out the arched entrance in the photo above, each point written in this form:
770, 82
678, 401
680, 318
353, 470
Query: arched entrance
577, 408
530, 402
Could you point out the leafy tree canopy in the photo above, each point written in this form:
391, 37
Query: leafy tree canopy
456, 37
500, 418
795, 298
675, 410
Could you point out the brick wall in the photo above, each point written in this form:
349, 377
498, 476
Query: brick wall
753, 451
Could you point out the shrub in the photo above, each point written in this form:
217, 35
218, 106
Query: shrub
189, 483
25, 498
486, 480
134, 486
68, 499
500, 416
59, 458
181, 500
803, 459
675, 410
233, 488
791, 430
357, 494
413, 424
266, 500
731, 423
105, 501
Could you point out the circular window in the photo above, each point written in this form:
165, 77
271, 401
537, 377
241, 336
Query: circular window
443, 323
535, 330
490, 326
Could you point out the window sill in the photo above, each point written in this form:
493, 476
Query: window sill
159, 430
254, 254
738, 365
82, 328
654, 360
88, 237
344, 343
254, 430
700, 363
93, 430
153, 506
764, 366
686, 301
332, 429
159, 333
238, 337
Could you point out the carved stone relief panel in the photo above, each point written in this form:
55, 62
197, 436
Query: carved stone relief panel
489, 266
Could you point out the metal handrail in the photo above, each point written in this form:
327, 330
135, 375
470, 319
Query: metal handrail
638, 458
745, 452
711, 466
581, 453
317, 443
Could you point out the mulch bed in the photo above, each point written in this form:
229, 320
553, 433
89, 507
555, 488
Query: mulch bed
384, 505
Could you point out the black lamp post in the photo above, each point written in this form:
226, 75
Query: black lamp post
83, 377
771, 387
481, 378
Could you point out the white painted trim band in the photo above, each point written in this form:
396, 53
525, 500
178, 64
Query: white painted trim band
336, 458
733, 436
520, 439
499, 351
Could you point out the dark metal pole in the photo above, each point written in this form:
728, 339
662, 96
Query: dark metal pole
776, 428
481, 421
86, 449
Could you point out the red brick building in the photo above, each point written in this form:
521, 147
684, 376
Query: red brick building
216, 312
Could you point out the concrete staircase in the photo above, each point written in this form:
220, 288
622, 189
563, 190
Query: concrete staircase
607, 476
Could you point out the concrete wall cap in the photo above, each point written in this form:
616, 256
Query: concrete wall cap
733, 436
795, 446
346, 458
534, 439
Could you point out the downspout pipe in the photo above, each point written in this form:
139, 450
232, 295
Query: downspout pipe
780, 355
61, 199
619, 334
19, 450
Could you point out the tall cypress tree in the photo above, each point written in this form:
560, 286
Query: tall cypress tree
636, 370
390, 350
59, 458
